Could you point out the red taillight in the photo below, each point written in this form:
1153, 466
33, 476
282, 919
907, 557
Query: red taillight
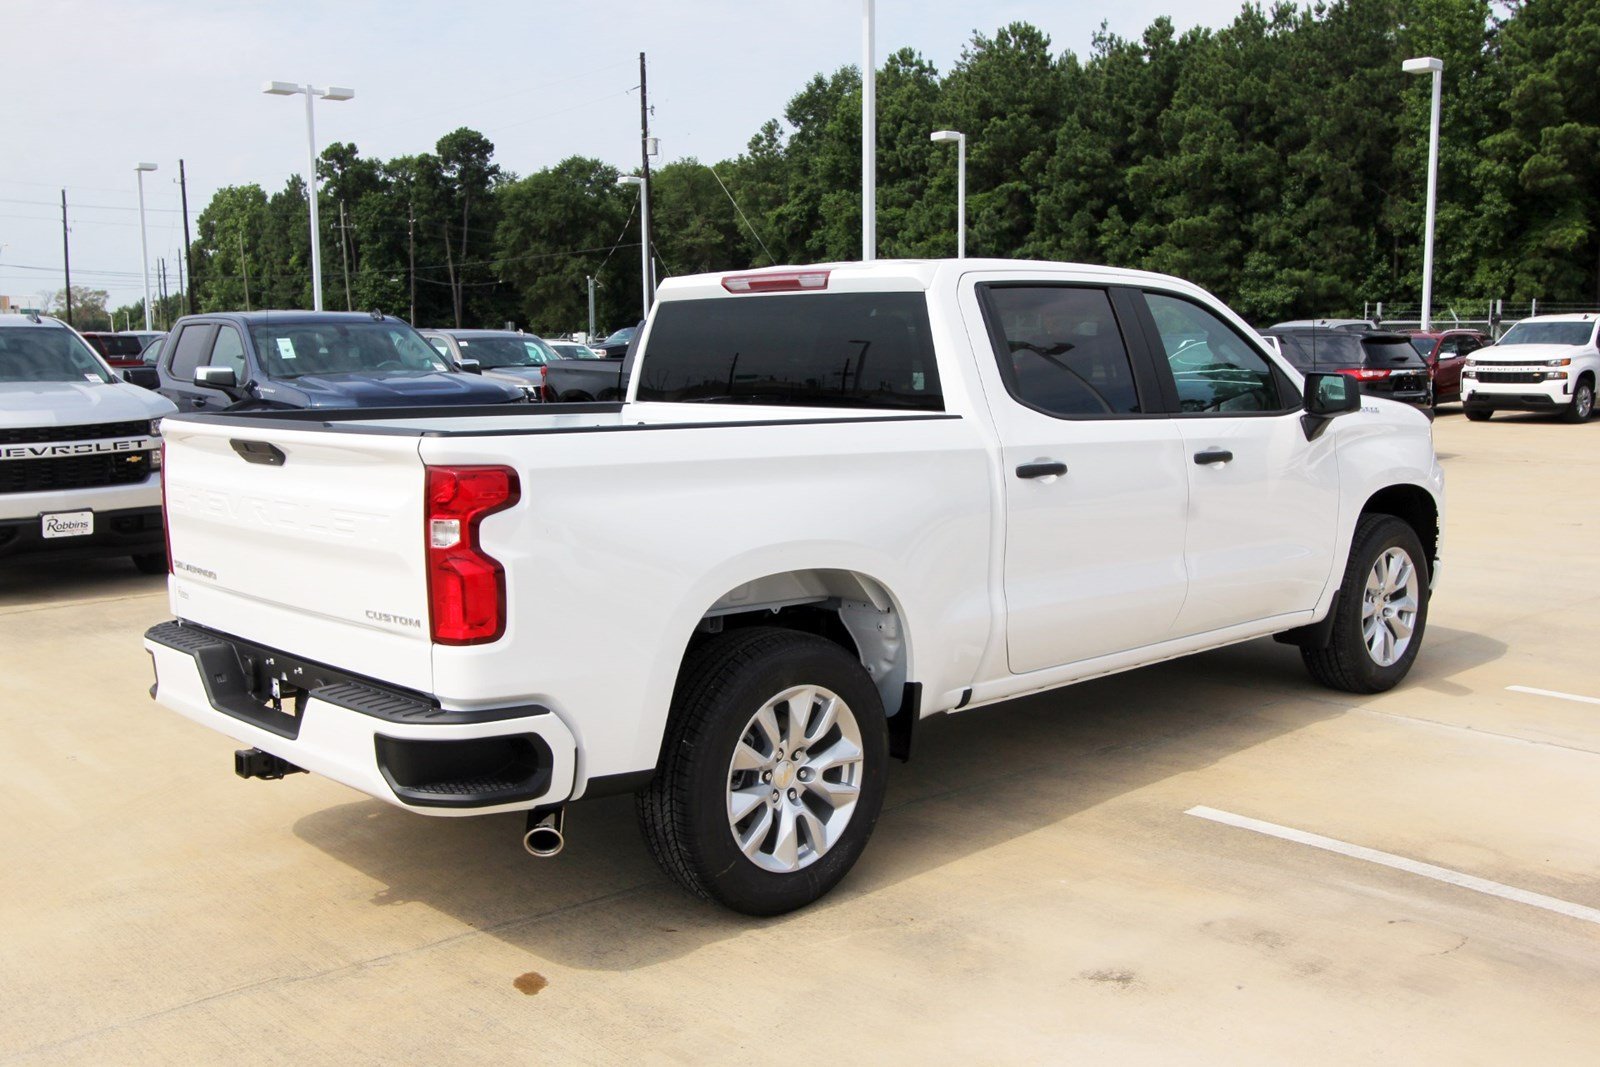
166, 528
780, 281
466, 587
1364, 374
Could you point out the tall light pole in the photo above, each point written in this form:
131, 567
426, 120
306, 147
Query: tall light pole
869, 137
332, 92
644, 238
961, 185
144, 246
1429, 65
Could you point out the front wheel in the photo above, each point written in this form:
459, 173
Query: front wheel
772, 771
1477, 414
1582, 405
1381, 613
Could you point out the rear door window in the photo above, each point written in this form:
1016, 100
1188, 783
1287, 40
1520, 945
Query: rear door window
857, 350
1060, 350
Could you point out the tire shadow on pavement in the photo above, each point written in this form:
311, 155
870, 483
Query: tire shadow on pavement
603, 905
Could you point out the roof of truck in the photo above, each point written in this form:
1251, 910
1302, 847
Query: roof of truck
903, 275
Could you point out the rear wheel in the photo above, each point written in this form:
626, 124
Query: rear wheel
1381, 614
1582, 405
772, 771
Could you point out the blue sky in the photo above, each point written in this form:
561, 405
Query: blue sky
100, 85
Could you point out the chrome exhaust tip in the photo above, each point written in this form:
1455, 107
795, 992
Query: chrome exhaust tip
543, 837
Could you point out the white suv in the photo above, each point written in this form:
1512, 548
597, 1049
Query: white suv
1548, 363
80, 451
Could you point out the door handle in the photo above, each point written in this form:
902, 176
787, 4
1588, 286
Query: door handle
1216, 455
1045, 469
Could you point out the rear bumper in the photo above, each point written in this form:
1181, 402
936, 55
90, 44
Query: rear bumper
125, 532
397, 746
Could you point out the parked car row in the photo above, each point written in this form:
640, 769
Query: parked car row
1548, 363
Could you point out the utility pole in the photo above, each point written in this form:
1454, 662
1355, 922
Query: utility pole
591, 309
161, 290
244, 265
182, 292
411, 253
344, 254
66, 259
183, 191
644, 172
869, 137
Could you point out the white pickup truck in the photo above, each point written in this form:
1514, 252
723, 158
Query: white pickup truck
1548, 363
837, 500
80, 459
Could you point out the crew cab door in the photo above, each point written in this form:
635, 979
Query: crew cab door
1263, 500
184, 351
1095, 485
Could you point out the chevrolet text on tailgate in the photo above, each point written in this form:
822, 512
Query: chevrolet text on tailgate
836, 500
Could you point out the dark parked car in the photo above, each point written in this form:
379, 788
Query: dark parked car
505, 355
524, 358
1446, 352
1385, 364
312, 359
616, 345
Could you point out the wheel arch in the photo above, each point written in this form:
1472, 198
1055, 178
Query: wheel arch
855, 610
1414, 506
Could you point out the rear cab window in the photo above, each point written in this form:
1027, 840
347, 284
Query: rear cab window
1383, 353
838, 350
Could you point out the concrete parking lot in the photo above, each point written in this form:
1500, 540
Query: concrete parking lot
1036, 890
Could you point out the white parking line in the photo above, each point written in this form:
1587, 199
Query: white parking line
1552, 693
1401, 863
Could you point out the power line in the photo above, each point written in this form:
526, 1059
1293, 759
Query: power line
96, 207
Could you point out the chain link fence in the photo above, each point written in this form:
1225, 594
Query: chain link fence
1493, 317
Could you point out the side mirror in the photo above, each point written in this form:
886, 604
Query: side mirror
470, 366
216, 377
1327, 395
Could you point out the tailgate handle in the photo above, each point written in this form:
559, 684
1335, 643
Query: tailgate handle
259, 452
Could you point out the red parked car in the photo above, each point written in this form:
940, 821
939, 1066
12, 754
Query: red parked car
1446, 352
120, 349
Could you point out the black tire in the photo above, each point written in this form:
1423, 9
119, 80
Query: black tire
684, 811
1582, 405
1345, 663
1477, 414
150, 562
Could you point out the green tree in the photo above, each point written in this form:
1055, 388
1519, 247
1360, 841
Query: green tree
88, 307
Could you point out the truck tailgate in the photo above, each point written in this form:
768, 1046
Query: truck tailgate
304, 541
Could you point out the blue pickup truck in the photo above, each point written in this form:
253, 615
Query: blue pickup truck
250, 361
